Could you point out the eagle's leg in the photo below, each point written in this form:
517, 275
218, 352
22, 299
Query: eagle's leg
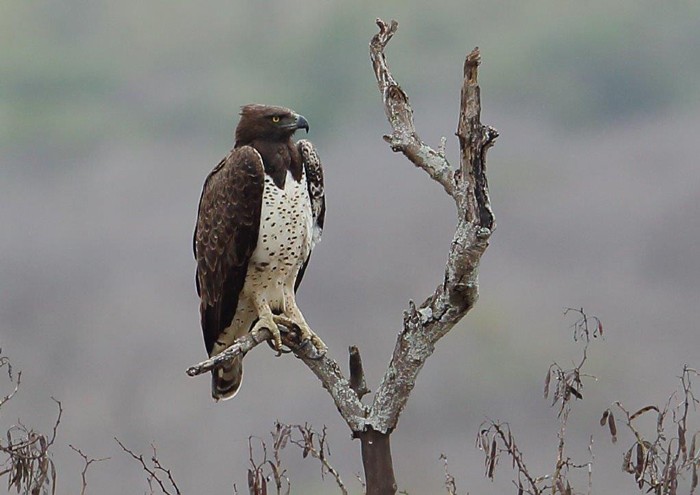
267, 320
294, 313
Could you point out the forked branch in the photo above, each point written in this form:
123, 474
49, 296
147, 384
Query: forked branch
457, 294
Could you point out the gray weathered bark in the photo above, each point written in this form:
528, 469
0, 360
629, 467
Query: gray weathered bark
424, 325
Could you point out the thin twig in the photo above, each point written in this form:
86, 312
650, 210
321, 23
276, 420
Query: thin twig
153, 472
306, 443
87, 461
14, 391
660, 462
450, 484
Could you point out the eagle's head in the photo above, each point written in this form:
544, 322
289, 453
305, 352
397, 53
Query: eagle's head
268, 123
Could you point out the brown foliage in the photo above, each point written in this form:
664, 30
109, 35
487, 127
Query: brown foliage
265, 469
496, 439
27, 461
662, 461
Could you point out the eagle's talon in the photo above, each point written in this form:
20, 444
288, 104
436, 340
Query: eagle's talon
320, 348
287, 323
268, 322
308, 350
308, 335
303, 333
315, 353
279, 351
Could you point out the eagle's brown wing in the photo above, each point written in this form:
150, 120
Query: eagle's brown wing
225, 236
314, 181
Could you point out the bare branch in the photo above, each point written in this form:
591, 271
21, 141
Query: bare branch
240, 346
661, 461
256, 477
156, 472
326, 369
308, 446
265, 470
496, 438
351, 409
87, 461
450, 484
17, 383
400, 115
280, 437
488, 440
57, 422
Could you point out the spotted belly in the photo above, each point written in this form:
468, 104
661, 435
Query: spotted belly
284, 240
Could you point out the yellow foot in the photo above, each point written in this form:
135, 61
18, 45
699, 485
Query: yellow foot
269, 323
306, 334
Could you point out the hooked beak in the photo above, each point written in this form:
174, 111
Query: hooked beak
301, 123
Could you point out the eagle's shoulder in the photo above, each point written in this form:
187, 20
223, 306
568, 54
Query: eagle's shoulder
312, 163
228, 219
314, 180
239, 163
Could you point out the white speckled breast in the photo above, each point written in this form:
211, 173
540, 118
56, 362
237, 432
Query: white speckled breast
284, 240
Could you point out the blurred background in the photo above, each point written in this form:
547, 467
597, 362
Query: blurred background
113, 113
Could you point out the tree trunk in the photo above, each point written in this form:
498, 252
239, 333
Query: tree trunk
376, 459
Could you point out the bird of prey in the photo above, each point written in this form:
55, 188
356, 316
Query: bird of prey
260, 215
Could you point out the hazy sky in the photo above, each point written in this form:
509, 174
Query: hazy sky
111, 115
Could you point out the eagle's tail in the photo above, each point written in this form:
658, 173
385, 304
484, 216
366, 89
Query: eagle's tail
226, 381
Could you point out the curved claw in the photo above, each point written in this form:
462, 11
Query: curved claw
306, 349
317, 349
311, 351
269, 323
279, 351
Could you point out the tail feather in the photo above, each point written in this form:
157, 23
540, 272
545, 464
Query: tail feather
226, 381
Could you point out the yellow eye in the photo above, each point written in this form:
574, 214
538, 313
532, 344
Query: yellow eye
276, 119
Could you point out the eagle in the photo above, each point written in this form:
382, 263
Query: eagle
260, 215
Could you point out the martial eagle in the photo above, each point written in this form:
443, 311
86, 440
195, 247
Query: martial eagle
260, 214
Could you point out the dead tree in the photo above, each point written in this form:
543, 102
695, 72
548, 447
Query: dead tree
456, 294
